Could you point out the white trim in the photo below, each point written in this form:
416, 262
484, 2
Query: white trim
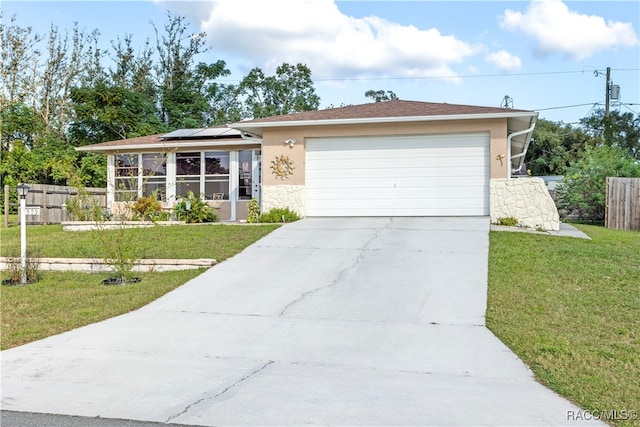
111, 179
171, 181
233, 183
374, 120
169, 145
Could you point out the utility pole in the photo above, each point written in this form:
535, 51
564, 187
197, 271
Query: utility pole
607, 89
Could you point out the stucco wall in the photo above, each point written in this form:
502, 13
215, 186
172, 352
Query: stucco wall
526, 199
284, 196
273, 141
292, 192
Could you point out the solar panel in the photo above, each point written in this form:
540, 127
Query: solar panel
213, 132
181, 133
216, 131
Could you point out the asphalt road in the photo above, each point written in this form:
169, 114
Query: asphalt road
32, 419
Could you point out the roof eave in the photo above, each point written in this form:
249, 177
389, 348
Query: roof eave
257, 128
165, 145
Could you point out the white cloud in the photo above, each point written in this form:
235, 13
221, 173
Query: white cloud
315, 32
504, 60
560, 30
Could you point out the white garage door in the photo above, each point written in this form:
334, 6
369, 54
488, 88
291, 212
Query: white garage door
441, 175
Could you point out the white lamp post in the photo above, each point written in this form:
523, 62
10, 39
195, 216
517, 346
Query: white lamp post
23, 189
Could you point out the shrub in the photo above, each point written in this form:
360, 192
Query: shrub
279, 215
147, 208
508, 221
583, 191
84, 207
253, 208
198, 211
32, 270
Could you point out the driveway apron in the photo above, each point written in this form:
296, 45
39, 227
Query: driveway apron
326, 321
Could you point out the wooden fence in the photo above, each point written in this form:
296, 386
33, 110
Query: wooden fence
622, 206
52, 200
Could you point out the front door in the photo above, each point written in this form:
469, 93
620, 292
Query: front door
256, 175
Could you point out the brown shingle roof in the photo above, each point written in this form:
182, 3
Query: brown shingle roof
393, 108
149, 139
182, 137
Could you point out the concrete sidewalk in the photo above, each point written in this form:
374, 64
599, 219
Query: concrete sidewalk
351, 321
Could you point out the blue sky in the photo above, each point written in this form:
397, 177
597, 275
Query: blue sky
542, 54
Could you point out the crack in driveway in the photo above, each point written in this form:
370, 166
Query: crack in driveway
245, 378
339, 276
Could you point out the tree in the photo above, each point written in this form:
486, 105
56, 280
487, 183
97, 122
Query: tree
107, 112
554, 146
19, 123
290, 90
583, 191
227, 107
177, 50
133, 71
18, 59
619, 129
380, 95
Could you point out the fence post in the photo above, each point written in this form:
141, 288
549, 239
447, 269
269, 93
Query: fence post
43, 210
6, 206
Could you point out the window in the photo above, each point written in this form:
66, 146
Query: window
129, 176
154, 174
187, 173
203, 173
126, 179
216, 178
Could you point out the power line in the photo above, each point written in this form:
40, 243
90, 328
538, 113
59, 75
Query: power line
460, 76
565, 106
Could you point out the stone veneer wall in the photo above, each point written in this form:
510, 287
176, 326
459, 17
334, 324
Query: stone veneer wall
526, 199
284, 196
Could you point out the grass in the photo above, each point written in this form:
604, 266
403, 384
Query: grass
218, 241
570, 308
62, 301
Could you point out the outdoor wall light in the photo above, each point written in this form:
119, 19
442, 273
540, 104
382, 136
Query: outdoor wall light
290, 142
23, 190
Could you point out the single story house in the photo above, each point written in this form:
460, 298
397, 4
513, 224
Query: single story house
393, 158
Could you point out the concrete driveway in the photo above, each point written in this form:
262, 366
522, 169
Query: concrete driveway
361, 321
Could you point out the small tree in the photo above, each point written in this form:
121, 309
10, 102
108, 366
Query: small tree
583, 191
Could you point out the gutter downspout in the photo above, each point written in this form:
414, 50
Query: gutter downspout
245, 136
509, 138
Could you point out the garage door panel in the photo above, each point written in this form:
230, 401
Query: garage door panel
395, 211
410, 195
444, 173
381, 143
356, 185
404, 176
395, 156
378, 164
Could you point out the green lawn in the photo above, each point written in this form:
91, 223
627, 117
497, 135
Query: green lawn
218, 241
62, 301
570, 308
